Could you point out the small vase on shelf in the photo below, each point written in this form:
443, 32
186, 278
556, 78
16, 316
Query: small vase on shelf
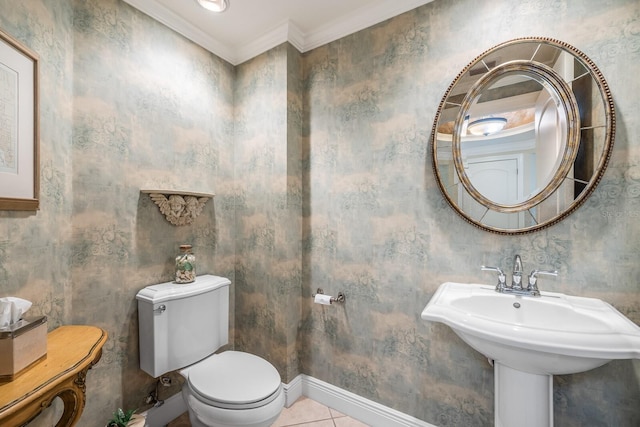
185, 265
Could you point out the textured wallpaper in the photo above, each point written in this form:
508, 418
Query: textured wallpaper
378, 229
321, 170
268, 127
150, 111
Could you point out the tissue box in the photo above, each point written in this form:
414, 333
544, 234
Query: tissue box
22, 345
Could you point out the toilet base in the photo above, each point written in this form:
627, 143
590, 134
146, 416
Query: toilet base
204, 415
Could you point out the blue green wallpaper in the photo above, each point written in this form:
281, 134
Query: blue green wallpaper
321, 170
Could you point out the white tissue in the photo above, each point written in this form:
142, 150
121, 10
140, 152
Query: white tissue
12, 309
322, 299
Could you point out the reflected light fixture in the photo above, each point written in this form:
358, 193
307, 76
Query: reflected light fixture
218, 6
486, 126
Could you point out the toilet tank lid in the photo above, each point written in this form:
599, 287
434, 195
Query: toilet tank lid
170, 290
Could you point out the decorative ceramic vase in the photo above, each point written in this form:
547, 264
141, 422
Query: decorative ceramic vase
185, 265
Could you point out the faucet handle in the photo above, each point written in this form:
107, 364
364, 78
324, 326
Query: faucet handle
533, 279
502, 278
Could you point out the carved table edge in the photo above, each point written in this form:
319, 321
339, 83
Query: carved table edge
71, 373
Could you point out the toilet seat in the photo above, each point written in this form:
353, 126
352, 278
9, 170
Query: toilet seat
234, 380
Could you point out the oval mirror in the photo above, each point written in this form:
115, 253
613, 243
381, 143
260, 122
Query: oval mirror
523, 135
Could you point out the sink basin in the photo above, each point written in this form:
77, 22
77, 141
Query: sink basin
548, 335
530, 339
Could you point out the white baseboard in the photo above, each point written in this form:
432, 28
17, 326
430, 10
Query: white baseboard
364, 410
292, 391
162, 415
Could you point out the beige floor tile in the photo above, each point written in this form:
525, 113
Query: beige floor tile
304, 410
336, 414
348, 422
303, 413
323, 423
181, 421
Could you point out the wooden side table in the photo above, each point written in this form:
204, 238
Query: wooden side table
71, 352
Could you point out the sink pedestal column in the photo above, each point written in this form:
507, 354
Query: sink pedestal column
522, 399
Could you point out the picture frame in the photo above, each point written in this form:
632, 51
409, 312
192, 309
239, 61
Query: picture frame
19, 126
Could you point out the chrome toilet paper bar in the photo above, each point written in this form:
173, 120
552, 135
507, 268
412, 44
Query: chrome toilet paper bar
320, 298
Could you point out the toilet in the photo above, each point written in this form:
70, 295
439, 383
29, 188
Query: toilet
181, 326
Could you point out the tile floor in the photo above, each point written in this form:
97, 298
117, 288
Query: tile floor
309, 413
303, 413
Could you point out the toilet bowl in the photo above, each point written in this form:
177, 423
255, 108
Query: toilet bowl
232, 389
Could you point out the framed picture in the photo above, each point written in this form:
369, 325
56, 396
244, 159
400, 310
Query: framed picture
19, 132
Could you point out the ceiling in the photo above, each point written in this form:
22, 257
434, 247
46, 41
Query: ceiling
250, 27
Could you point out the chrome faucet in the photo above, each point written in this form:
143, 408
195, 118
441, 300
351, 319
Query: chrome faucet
516, 281
533, 280
502, 278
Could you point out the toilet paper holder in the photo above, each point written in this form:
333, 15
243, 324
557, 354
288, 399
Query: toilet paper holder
340, 298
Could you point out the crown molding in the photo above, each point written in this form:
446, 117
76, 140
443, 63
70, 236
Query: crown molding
357, 20
181, 26
284, 32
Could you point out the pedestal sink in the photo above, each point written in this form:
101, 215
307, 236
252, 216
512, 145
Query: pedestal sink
530, 339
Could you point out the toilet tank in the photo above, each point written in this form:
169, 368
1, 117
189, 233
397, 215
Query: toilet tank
180, 324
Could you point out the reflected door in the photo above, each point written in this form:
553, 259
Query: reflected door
498, 180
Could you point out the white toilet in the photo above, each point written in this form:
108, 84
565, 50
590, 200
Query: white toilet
180, 327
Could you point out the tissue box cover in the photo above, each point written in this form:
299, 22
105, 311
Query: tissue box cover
22, 345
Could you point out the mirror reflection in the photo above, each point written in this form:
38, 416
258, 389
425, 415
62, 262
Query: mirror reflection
524, 155
523, 135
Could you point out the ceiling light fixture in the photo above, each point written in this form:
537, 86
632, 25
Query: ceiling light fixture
487, 126
218, 6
